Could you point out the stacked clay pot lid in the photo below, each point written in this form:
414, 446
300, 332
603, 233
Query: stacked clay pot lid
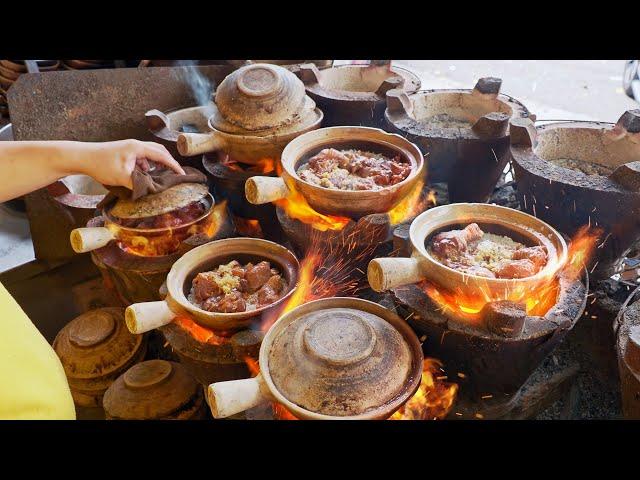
260, 98
94, 349
342, 362
155, 389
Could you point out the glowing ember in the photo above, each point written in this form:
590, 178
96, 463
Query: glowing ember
537, 301
296, 206
248, 227
198, 332
412, 205
168, 241
434, 397
262, 166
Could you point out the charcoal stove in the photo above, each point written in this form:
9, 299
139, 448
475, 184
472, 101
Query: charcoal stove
498, 351
628, 350
211, 356
572, 174
227, 178
462, 133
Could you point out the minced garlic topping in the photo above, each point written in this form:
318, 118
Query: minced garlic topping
224, 278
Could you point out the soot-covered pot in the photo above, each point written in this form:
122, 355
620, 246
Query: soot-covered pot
330, 359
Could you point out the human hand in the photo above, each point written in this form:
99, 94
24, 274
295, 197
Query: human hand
112, 163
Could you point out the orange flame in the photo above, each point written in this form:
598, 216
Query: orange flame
248, 227
416, 202
262, 166
166, 242
537, 301
198, 332
296, 206
433, 399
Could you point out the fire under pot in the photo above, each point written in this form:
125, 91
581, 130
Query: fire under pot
572, 174
463, 133
227, 178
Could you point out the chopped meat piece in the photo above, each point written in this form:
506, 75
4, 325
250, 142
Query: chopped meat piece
488, 255
479, 271
258, 275
231, 287
205, 286
454, 242
232, 302
354, 170
537, 254
516, 269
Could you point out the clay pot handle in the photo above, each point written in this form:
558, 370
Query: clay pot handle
522, 132
390, 83
90, 238
235, 396
386, 273
260, 190
398, 102
191, 144
309, 73
145, 316
488, 86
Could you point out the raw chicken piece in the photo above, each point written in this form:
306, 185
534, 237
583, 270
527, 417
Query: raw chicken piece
454, 242
538, 255
516, 269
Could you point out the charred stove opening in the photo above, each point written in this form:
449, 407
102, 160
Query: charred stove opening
585, 151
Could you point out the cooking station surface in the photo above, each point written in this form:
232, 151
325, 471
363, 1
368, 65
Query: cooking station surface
573, 380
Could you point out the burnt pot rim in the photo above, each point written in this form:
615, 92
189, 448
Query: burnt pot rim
518, 110
531, 162
349, 96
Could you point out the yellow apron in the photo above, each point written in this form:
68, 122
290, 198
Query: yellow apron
32, 380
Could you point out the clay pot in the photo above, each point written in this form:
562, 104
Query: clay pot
335, 358
87, 239
386, 273
350, 203
142, 317
463, 133
258, 109
155, 390
94, 349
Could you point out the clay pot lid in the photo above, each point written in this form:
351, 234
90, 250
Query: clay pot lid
151, 389
258, 97
340, 362
166, 201
96, 344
